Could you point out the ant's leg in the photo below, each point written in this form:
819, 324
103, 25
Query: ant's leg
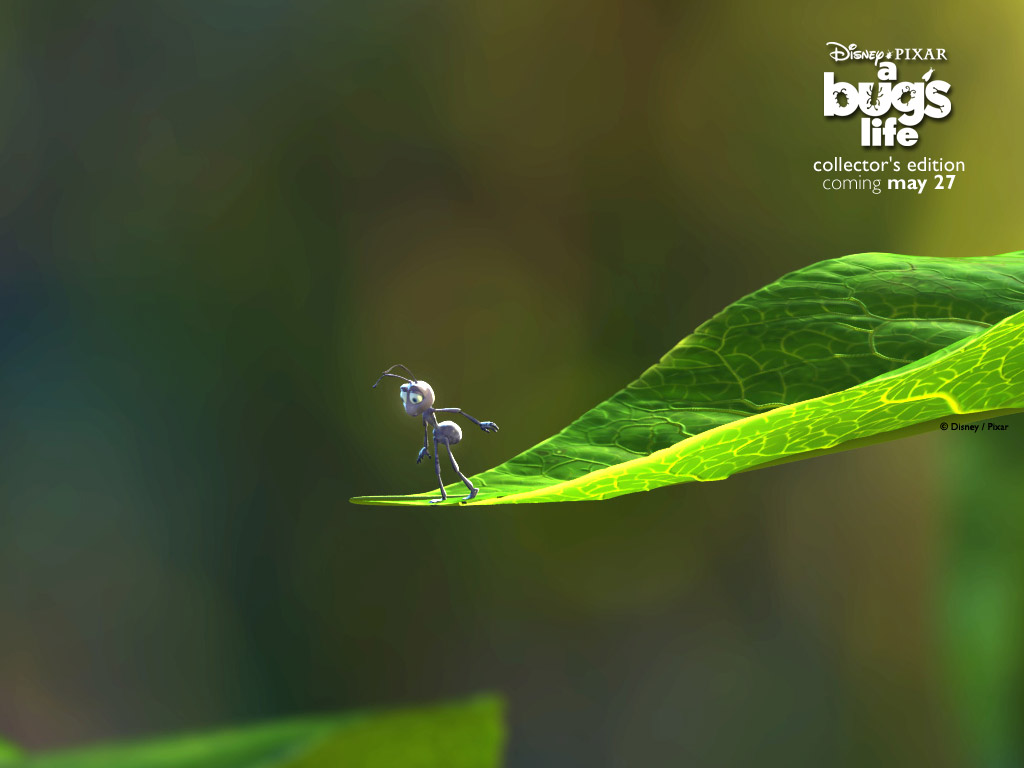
473, 490
437, 468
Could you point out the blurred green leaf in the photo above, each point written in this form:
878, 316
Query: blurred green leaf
983, 605
466, 734
839, 354
8, 752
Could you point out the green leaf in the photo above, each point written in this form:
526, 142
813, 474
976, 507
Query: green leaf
8, 753
467, 734
838, 354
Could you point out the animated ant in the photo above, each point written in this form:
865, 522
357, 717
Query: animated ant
418, 398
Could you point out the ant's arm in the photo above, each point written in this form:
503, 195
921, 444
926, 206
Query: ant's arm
486, 426
423, 450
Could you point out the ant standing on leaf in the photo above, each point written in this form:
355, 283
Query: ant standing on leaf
418, 399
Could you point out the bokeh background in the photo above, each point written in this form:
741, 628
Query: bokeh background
221, 220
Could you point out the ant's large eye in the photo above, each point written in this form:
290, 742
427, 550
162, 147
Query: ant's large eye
415, 397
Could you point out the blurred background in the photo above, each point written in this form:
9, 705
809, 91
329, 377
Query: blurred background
221, 220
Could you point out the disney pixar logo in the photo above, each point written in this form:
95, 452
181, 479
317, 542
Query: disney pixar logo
852, 52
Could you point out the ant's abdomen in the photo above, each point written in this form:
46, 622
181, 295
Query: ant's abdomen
448, 432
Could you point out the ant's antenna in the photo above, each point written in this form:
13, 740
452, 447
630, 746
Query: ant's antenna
399, 365
394, 376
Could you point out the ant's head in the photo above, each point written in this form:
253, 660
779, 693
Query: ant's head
417, 396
